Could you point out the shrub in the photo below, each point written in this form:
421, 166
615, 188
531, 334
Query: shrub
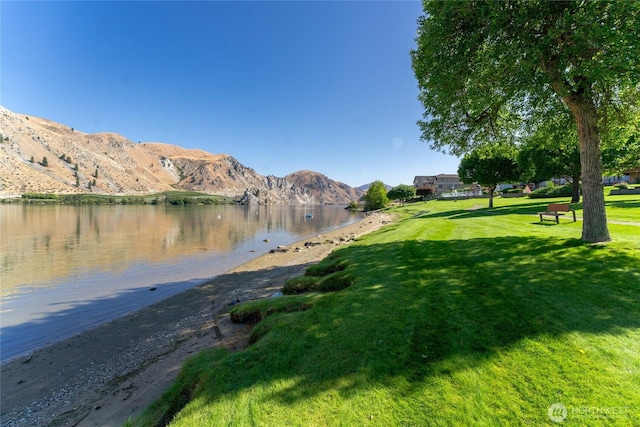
45, 162
552, 191
353, 205
39, 196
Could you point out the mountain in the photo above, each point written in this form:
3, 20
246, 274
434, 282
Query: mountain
108, 163
365, 187
322, 189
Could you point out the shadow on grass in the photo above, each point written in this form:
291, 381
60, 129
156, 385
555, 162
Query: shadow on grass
425, 308
622, 203
530, 208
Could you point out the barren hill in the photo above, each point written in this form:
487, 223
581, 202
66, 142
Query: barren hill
323, 189
108, 163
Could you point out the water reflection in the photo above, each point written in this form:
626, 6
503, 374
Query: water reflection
42, 245
66, 268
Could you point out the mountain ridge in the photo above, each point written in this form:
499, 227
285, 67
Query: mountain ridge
109, 163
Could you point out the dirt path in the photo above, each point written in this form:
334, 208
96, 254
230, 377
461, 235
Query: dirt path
108, 374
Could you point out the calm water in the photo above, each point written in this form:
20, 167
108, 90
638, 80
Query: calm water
64, 269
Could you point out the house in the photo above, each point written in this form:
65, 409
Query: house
436, 184
634, 175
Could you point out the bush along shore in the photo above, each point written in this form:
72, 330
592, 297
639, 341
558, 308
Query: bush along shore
455, 314
165, 198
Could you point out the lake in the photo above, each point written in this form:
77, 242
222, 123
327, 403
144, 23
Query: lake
64, 269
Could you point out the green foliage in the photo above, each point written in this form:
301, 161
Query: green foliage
376, 196
621, 140
178, 201
489, 166
44, 162
482, 67
40, 196
32, 159
190, 198
512, 191
353, 205
552, 191
622, 156
551, 149
402, 192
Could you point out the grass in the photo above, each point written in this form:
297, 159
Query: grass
458, 316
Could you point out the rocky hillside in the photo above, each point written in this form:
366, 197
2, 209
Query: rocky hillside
322, 189
108, 163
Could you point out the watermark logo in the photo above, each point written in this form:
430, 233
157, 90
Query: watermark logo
557, 412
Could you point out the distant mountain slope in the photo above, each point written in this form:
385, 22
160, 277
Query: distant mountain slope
365, 187
109, 163
323, 189
121, 166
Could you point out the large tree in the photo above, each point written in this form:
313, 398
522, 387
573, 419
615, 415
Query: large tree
376, 196
489, 166
484, 68
402, 192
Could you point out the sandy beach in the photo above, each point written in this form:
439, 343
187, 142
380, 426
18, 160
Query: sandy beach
107, 374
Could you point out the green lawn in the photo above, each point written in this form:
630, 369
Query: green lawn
459, 316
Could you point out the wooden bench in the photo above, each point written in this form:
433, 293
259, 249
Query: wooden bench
557, 209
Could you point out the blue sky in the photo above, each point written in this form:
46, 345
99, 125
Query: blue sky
281, 86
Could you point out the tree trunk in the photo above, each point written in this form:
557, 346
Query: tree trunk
492, 188
594, 216
575, 189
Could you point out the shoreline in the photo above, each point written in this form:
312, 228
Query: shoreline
107, 374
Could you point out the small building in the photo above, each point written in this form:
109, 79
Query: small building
436, 184
634, 175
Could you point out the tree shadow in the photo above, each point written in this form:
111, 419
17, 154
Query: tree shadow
622, 203
530, 208
417, 304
